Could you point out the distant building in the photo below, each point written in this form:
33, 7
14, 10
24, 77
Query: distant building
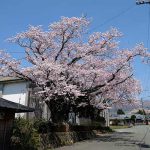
126, 119
86, 120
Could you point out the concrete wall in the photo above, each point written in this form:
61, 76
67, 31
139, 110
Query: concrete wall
105, 113
84, 121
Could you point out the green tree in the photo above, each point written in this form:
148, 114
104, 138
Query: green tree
133, 118
141, 112
120, 112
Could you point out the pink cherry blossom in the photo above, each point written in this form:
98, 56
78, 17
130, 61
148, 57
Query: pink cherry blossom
65, 60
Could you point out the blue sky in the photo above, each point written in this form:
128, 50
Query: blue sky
129, 18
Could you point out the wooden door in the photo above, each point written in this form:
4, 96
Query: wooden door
5, 132
3, 137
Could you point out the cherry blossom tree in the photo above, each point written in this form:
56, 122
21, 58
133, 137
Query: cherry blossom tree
69, 65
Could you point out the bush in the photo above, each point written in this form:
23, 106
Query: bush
42, 134
46, 126
100, 119
63, 127
80, 128
24, 137
133, 118
42, 126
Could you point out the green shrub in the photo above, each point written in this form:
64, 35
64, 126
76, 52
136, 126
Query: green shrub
60, 128
100, 119
43, 134
24, 137
133, 118
42, 126
80, 128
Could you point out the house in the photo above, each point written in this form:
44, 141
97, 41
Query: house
15, 90
126, 119
85, 119
119, 119
7, 115
20, 91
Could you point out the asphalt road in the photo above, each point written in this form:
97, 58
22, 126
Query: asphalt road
135, 138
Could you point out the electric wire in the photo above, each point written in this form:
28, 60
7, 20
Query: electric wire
16, 52
148, 30
148, 46
142, 141
147, 71
100, 25
112, 18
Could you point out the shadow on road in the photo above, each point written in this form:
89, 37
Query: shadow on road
122, 139
144, 145
123, 136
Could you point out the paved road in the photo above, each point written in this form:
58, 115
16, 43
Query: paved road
135, 138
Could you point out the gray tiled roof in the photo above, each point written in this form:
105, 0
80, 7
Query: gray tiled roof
3, 79
16, 107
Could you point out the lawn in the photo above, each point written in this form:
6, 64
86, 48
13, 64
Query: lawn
118, 127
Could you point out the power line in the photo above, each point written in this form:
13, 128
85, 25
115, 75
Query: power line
112, 18
100, 25
139, 2
148, 40
148, 30
147, 71
22, 58
16, 52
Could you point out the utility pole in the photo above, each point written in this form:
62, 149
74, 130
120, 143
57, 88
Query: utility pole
140, 2
142, 105
143, 109
144, 113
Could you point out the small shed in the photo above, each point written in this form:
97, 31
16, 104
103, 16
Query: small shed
7, 115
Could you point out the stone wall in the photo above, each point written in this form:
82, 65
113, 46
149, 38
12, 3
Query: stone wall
57, 139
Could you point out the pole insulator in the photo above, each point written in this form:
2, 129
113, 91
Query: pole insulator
140, 2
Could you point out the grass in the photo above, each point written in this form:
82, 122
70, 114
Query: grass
118, 127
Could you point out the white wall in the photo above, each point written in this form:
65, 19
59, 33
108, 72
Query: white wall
15, 92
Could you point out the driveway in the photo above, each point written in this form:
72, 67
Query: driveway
135, 138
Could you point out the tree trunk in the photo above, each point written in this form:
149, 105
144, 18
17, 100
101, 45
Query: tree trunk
59, 111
